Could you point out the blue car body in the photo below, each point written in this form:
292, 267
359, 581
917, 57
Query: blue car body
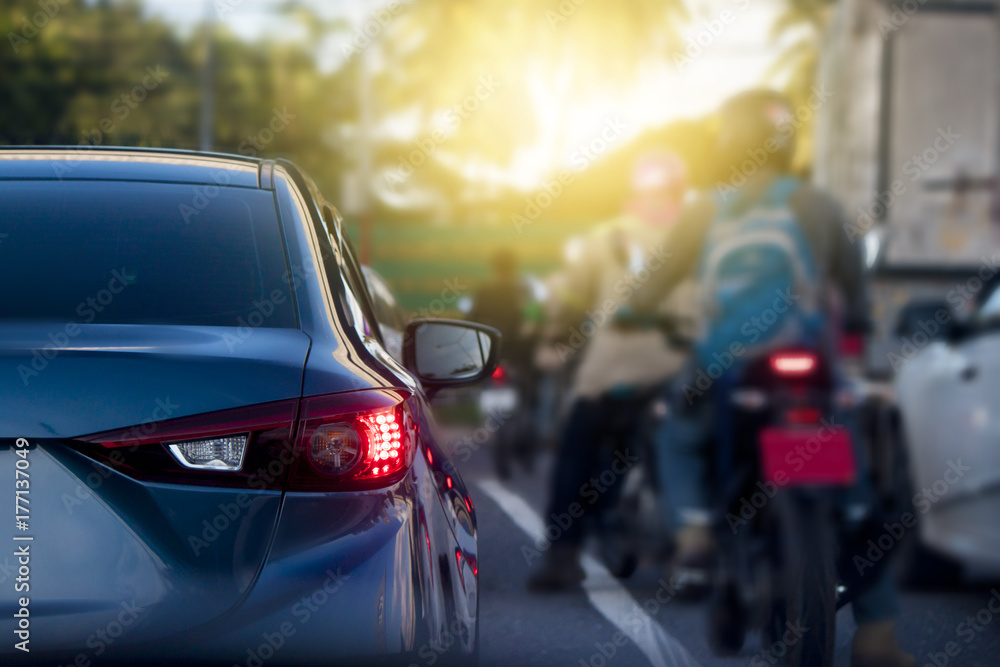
123, 558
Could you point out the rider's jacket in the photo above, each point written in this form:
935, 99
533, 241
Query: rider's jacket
824, 223
609, 265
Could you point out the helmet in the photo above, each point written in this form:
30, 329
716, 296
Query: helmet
659, 183
759, 125
660, 171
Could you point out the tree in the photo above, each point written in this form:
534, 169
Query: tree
80, 74
804, 22
539, 57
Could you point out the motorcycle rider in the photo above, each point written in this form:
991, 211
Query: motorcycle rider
754, 152
500, 302
602, 271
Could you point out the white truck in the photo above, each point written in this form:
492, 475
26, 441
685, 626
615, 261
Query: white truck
908, 141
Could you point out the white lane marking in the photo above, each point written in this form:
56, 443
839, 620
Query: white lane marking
605, 593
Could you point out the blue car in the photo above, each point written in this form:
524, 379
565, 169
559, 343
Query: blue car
206, 453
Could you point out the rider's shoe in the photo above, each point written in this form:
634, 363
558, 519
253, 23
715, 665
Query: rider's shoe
560, 570
875, 645
689, 572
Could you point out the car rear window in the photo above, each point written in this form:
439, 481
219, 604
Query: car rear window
142, 253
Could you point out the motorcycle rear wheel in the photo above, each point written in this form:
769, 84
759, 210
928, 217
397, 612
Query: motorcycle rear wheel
803, 631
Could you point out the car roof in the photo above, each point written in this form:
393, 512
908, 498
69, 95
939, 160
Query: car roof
132, 164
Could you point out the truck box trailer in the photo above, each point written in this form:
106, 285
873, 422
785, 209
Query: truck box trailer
908, 141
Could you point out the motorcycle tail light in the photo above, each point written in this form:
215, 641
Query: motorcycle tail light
794, 364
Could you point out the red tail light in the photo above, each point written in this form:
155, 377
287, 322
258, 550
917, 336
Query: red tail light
365, 442
143, 451
499, 374
799, 363
339, 442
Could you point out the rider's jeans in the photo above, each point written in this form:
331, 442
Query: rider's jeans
591, 463
681, 456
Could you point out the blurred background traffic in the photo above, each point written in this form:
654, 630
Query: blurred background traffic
432, 123
487, 156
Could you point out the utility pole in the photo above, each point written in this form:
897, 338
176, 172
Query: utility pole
207, 110
995, 83
366, 148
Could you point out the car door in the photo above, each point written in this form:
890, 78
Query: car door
932, 402
976, 382
949, 395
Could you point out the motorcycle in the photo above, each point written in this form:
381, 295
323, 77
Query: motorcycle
778, 473
779, 464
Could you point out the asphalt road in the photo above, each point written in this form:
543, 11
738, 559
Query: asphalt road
591, 625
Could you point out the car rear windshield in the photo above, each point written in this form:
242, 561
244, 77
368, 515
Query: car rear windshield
142, 253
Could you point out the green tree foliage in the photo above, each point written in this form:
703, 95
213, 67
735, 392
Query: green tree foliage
803, 23
438, 52
72, 72
75, 72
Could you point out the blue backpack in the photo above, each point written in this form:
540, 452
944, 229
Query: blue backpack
761, 286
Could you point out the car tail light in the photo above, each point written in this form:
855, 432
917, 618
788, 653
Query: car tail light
243, 447
224, 453
335, 448
499, 375
347, 441
794, 364
354, 441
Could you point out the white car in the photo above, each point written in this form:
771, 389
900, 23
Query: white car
948, 393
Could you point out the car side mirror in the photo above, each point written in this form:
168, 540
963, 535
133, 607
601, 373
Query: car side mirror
450, 353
